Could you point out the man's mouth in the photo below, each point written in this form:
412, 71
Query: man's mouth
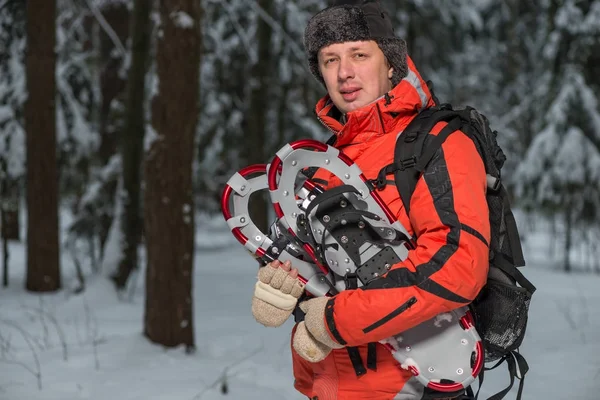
350, 94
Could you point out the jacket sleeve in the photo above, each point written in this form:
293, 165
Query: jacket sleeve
448, 267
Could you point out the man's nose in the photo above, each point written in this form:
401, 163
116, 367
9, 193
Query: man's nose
346, 70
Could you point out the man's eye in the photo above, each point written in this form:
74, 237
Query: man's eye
329, 61
360, 55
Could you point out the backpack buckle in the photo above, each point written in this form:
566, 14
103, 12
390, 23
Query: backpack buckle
493, 183
351, 280
381, 181
408, 163
411, 136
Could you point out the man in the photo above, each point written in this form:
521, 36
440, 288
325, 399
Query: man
373, 92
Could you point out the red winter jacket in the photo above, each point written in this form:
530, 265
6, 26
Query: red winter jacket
446, 270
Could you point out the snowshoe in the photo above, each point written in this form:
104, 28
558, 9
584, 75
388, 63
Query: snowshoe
343, 238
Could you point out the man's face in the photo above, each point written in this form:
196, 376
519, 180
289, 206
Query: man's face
355, 73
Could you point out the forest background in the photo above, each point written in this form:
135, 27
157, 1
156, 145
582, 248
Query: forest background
152, 105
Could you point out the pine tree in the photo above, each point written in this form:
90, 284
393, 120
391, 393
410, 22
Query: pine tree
560, 173
227, 88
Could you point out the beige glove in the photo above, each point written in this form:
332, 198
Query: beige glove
311, 340
276, 293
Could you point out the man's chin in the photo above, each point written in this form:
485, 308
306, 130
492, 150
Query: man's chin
353, 106
348, 106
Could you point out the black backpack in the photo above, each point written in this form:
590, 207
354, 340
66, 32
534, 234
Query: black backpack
502, 306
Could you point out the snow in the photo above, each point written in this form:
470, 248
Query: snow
182, 19
445, 317
112, 248
90, 346
150, 137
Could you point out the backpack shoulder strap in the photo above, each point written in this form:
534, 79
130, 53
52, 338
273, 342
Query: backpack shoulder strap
412, 154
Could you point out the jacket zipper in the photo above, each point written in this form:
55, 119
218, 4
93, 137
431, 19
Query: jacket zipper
391, 315
327, 126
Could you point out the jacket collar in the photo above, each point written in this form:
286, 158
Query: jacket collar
390, 113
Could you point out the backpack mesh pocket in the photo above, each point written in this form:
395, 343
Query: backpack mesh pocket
501, 317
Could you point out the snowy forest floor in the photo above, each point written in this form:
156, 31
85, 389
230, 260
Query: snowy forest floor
90, 346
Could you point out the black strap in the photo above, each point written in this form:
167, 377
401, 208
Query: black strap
372, 356
437, 142
357, 362
351, 280
481, 376
356, 359
328, 194
406, 178
410, 144
399, 165
413, 144
512, 271
513, 360
512, 230
432, 394
470, 394
512, 370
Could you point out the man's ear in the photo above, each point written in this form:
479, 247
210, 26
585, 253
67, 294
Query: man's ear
390, 72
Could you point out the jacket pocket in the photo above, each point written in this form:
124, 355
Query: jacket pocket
408, 304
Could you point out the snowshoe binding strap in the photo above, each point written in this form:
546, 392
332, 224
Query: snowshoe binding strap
355, 242
291, 159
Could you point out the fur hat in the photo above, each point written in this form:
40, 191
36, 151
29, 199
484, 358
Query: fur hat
351, 21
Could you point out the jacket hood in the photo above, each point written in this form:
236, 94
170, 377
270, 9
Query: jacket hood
390, 113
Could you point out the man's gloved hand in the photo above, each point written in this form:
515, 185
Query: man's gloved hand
311, 340
276, 293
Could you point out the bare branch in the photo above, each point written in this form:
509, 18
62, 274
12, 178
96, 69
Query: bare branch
43, 314
37, 372
107, 28
276, 26
293, 46
240, 31
91, 324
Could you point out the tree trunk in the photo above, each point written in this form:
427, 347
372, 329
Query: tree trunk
9, 208
43, 264
112, 87
568, 239
10, 223
3, 225
169, 207
133, 140
5, 258
257, 122
284, 89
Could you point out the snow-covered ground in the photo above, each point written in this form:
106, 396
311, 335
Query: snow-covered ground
90, 346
